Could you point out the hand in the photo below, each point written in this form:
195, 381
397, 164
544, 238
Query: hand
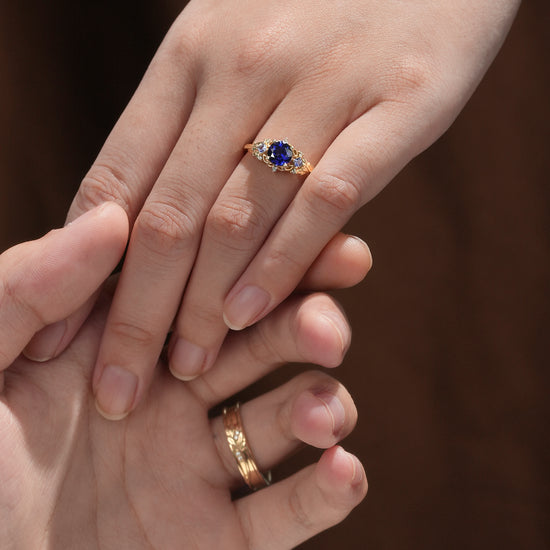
43, 282
163, 477
360, 87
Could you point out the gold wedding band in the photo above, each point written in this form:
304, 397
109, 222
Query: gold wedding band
280, 156
241, 451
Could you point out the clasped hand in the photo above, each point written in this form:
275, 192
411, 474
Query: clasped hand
218, 240
162, 477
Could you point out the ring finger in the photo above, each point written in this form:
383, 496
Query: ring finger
312, 408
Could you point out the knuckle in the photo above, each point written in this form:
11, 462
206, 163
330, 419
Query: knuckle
132, 334
198, 315
257, 51
185, 42
409, 75
332, 195
183, 39
299, 511
101, 184
250, 60
280, 260
208, 394
21, 293
249, 527
165, 229
235, 222
261, 347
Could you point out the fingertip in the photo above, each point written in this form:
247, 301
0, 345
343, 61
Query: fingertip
343, 263
317, 419
104, 211
182, 377
52, 340
341, 334
46, 343
323, 412
109, 219
360, 256
355, 260
113, 219
109, 416
113, 211
341, 472
230, 324
115, 390
322, 331
358, 477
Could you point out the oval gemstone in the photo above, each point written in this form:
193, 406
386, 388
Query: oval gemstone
279, 153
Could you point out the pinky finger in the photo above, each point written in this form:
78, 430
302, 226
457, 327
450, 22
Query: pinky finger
343, 263
307, 503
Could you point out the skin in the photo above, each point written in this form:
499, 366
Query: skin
162, 477
360, 87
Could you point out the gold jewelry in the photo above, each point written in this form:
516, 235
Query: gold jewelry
241, 451
280, 156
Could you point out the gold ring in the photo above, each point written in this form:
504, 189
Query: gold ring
280, 156
241, 451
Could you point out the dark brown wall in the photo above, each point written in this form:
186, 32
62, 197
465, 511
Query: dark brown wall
450, 361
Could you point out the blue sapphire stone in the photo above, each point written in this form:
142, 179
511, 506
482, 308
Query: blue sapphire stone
279, 153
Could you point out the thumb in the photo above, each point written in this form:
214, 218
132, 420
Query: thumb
44, 281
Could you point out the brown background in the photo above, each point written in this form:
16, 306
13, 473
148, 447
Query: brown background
450, 361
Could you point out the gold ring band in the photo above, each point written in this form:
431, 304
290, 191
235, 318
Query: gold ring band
241, 451
280, 156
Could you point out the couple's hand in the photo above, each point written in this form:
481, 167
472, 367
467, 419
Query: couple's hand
359, 86
162, 477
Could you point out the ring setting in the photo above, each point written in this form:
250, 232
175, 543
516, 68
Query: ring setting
280, 156
241, 451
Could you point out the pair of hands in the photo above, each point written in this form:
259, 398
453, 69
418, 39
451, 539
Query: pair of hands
162, 478
359, 86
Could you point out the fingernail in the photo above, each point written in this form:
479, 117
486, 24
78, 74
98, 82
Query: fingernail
187, 360
335, 409
359, 239
115, 392
341, 327
245, 307
365, 245
45, 343
357, 476
90, 213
